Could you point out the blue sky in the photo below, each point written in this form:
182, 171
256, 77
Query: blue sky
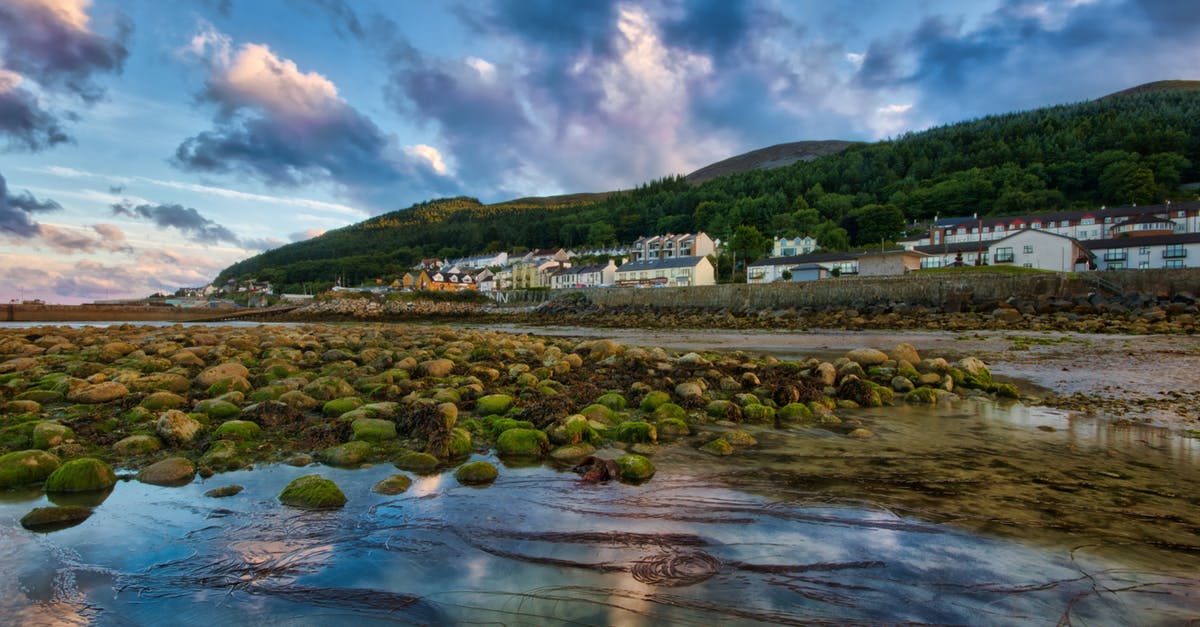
146, 145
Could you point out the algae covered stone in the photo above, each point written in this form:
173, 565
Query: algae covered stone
795, 412
669, 428
493, 404
719, 447
373, 429
224, 491
612, 400
339, 406
26, 468
81, 475
759, 414
348, 454
98, 393
312, 492
48, 434
238, 430
573, 453
218, 409
137, 445
54, 518
636, 431
176, 427
420, 463
635, 468
522, 443
652, 400
476, 473
223, 455
172, 471
161, 401
670, 410
394, 484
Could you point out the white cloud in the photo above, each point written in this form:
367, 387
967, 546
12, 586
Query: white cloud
429, 154
486, 70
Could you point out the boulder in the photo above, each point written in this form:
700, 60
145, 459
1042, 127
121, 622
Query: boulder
312, 492
238, 430
905, 352
572, 453
394, 484
476, 473
50, 434
162, 401
221, 371
719, 447
825, 373
420, 463
498, 404
435, 368
635, 468
55, 518
81, 475
172, 471
348, 454
224, 491
26, 468
137, 445
373, 429
223, 455
176, 427
522, 443
867, 356
98, 393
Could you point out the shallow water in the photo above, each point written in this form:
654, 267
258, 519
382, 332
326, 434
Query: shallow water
980, 514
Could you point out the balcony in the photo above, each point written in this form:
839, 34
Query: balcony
1115, 255
1174, 253
1003, 258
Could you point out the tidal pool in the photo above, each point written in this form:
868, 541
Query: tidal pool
977, 513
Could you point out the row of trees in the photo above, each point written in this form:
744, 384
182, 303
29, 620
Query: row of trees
1117, 151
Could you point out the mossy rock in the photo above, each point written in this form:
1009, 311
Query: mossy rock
739, 438
922, 396
476, 473
420, 463
339, 406
224, 491
613, 401
652, 400
572, 453
635, 431
268, 393
599, 413
21, 407
392, 485
526, 380
137, 445
238, 430
229, 384
719, 447
373, 429
327, 389
795, 412
81, 475
162, 401
48, 434
1004, 390
635, 468
41, 397
522, 443
446, 395
862, 392
55, 518
460, 443
724, 410
299, 400
759, 414
217, 409
26, 468
348, 454
670, 428
172, 471
579, 429
504, 424
312, 492
498, 404
670, 410
223, 455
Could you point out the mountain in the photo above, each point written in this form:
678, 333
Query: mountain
1156, 87
776, 156
1139, 146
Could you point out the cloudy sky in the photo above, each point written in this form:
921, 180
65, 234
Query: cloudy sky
145, 145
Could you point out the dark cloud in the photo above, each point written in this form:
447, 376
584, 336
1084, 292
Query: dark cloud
43, 44
186, 219
25, 124
264, 243
17, 210
116, 189
345, 21
103, 237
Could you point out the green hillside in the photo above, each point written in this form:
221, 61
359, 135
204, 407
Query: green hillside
1122, 149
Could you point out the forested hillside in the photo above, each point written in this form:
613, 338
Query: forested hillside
1123, 149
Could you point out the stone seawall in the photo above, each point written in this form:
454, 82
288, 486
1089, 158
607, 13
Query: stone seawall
942, 291
90, 313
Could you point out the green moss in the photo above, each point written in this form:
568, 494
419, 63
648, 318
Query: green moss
80, 475
394, 484
670, 410
724, 410
599, 413
635, 431
48, 434
670, 428
476, 473
238, 430
373, 429
760, 414
522, 443
613, 401
572, 453
217, 409
652, 400
719, 447
268, 393
312, 492
162, 401
137, 445
55, 518
498, 404
446, 395
861, 392
26, 468
795, 412
328, 388
223, 455
635, 468
229, 384
420, 463
1004, 390
921, 395
578, 429
504, 424
41, 397
739, 438
348, 454
339, 406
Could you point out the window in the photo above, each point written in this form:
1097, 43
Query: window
1087, 221
1028, 265
1115, 255
1117, 265
1143, 265
1028, 249
1174, 263
1175, 251
1004, 255
1144, 250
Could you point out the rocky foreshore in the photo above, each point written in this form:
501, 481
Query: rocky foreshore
171, 402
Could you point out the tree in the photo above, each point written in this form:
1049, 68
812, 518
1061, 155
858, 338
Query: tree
832, 237
748, 243
879, 223
601, 234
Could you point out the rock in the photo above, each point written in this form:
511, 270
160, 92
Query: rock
671, 428
224, 491
1007, 314
573, 453
476, 473
861, 433
905, 352
298, 400
598, 350
242, 430
670, 411
975, 367
373, 429
435, 368
498, 404
795, 412
98, 393
339, 406
172, 471
867, 356
599, 413
217, 409
325, 389
229, 384
635, 468
613, 401
689, 391
348, 454
163, 381
522, 443
50, 434
635, 431
55, 518
652, 400
312, 492
420, 463
26, 468
825, 373
162, 401
41, 397
81, 475
18, 365
394, 484
137, 445
739, 438
176, 427
222, 455
902, 384
718, 447
757, 413
221, 371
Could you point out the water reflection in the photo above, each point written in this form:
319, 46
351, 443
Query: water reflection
974, 514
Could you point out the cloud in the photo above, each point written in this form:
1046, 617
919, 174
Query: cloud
185, 219
70, 240
261, 244
300, 236
17, 210
51, 43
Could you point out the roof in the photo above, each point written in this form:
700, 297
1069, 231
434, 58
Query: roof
897, 251
1099, 214
1145, 240
802, 259
806, 267
1145, 219
661, 264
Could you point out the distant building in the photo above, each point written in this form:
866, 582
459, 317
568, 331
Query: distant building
584, 276
1152, 252
771, 269
889, 262
672, 246
1026, 248
792, 246
675, 272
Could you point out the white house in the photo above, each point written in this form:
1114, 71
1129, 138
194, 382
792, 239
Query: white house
670, 246
792, 246
584, 276
676, 272
1147, 252
771, 269
1028, 248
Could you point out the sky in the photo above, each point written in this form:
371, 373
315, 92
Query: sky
146, 145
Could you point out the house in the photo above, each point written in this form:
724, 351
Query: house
671, 246
771, 269
792, 246
889, 262
430, 264
676, 272
451, 282
533, 272
1148, 252
418, 280
808, 272
485, 280
503, 279
584, 276
1028, 248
